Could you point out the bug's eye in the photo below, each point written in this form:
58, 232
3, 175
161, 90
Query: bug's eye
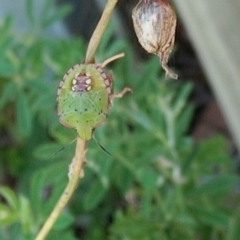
81, 83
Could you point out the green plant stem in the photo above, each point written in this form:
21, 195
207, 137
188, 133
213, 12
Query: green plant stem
77, 162
79, 157
97, 34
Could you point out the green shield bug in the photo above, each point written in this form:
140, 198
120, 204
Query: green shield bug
84, 96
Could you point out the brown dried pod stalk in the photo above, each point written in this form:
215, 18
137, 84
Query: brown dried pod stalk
155, 22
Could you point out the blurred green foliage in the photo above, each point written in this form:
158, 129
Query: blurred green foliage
159, 184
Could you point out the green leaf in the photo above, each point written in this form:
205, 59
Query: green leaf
218, 185
24, 118
62, 134
93, 197
67, 234
5, 212
181, 98
210, 217
42, 102
6, 26
56, 192
5, 43
39, 86
10, 197
36, 190
48, 5
60, 13
119, 173
234, 229
213, 151
186, 219
142, 118
7, 216
30, 10
134, 227
64, 221
184, 119
7, 94
47, 151
7, 68
148, 178
25, 213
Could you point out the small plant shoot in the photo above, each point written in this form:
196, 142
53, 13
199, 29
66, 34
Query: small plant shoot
84, 96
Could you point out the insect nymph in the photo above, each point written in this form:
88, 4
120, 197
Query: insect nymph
84, 97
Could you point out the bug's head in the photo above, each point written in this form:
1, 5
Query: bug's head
81, 82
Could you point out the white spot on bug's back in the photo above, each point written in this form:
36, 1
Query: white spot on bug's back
76, 66
74, 81
58, 91
88, 81
89, 88
65, 76
61, 83
70, 70
73, 88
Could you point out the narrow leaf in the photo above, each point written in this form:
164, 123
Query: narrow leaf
217, 185
47, 150
10, 197
7, 94
30, 11
59, 14
94, 196
24, 118
211, 217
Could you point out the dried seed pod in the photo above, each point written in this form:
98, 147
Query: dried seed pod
154, 22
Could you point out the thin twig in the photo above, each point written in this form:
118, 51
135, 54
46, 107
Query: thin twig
78, 161
97, 34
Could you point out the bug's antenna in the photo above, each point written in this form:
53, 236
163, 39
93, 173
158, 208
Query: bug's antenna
103, 148
111, 59
62, 148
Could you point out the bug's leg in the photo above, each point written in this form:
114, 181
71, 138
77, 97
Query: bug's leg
120, 94
111, 59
